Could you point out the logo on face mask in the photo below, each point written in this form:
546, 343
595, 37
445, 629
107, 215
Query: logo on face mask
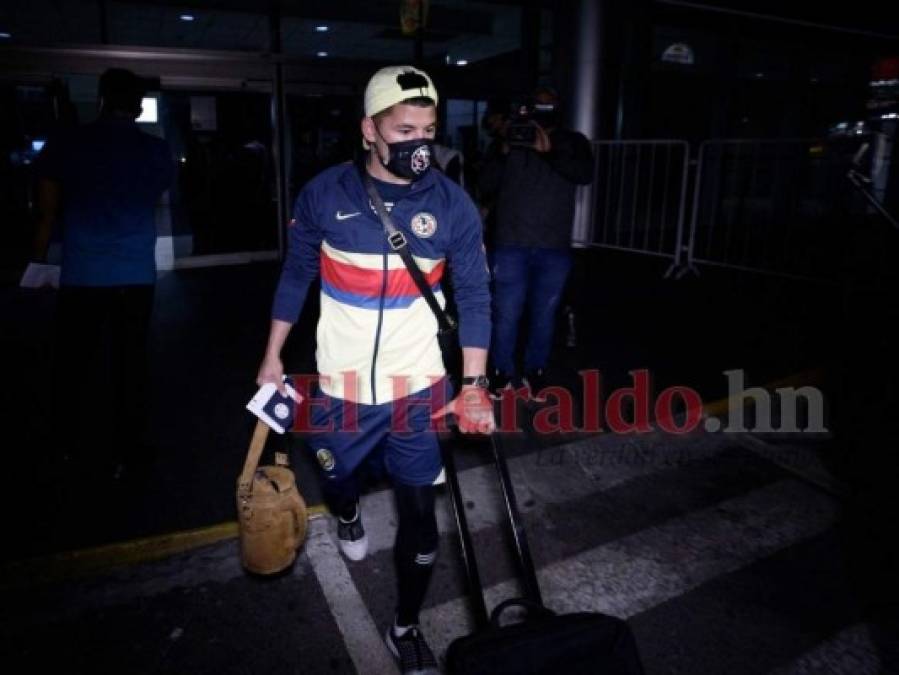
408, 159
421, 159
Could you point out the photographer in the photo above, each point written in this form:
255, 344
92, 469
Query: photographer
534, 177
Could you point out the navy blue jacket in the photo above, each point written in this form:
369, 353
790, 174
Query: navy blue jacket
375, 327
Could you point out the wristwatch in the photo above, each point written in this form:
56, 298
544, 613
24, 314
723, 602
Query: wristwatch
476, 381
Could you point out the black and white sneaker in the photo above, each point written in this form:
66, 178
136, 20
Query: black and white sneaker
412, 652
351, 536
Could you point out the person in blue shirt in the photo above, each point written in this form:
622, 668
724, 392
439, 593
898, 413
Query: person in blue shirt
382, 380
99, 184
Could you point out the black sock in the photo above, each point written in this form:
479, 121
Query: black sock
414, 578
342, 497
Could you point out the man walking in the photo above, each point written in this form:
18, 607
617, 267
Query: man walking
382, 381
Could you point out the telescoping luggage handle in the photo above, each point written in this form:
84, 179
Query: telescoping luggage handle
523, 558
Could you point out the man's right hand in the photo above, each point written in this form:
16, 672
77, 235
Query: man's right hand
272, 370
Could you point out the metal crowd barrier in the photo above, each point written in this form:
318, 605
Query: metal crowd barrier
781, 207
775, 206
638, 197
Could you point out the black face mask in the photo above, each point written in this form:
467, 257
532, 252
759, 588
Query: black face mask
409, 159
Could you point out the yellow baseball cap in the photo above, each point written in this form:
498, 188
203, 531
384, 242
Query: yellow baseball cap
394, 84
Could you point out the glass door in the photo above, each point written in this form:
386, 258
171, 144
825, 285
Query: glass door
222, 206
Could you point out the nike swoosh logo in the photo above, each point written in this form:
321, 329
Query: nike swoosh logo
343, 216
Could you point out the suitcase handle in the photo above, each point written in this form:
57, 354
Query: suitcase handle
526, 570
534, 610
475, 590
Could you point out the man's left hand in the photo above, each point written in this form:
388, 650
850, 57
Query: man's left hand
473, 410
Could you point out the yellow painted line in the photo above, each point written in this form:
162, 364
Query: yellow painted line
71, 565
723, 405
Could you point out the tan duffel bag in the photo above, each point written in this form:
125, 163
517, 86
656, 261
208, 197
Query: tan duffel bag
271, 513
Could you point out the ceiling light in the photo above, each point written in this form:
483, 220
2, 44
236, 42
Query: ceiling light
187, 17
321, 29
4, 35
461, 62
322, 54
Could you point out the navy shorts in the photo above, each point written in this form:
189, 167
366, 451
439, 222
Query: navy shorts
400, 434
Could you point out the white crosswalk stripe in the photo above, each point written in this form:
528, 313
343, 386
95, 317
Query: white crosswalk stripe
360, 635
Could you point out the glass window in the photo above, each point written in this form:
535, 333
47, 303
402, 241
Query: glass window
321, 131
223, 199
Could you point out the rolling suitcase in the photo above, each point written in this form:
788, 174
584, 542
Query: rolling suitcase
544, 642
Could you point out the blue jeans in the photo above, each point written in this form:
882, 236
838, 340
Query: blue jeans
532, 276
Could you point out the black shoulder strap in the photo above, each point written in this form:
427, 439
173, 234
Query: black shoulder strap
398, 243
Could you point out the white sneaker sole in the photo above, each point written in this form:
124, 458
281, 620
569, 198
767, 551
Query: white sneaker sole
354, 550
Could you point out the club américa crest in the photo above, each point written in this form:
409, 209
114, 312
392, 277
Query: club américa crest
423, 224
325, 458
421, 159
